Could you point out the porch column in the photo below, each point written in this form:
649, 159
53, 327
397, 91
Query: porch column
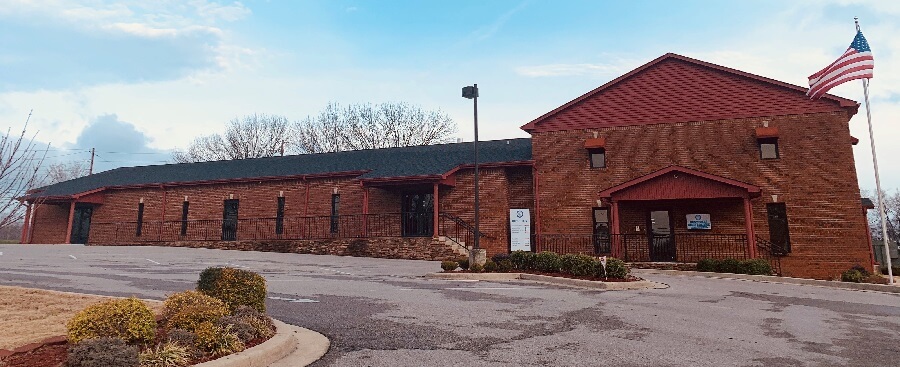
365, 210
751, 235
614, 231
26, 223
435, 203
71, 219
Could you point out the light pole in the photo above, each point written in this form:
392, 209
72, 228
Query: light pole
471, 92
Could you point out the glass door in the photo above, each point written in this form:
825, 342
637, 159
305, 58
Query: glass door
661, 236
417, 215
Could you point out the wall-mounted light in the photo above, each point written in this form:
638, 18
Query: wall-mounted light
230, 196
335, 191
185, 198
281, 194
765, 123
599, 202
141, 201
774, 198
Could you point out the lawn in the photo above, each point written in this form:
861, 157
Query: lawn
32, 315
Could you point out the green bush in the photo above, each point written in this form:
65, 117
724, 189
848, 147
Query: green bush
505, 266
490, 266
235, 287
128, 319
547, 262
615, 269
475, 268
102, 352
449, 265
499, 257
755, 267
567, 262
185, 339
729, 266
463, 263
709, 265
523, 260
187, 310
853, 276
262, 323
240, 327
584, 266
217, 341
165, 355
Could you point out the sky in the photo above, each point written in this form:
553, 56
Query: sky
137, 79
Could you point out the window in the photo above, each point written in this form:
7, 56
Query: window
768, 148
335, 202
184, 216
601, 230
279, 216
598, 157
779, 231
140, 220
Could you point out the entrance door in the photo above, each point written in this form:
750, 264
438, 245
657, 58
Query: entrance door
417, 215
81, 223
230, 220
778, 226
601, 239
661, 236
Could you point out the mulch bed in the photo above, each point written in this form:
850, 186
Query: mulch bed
55, 354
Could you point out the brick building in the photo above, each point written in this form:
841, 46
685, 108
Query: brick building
675, 161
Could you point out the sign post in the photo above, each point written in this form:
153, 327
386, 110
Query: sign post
519, 230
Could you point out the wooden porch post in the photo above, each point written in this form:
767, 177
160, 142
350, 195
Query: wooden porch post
617, 240
71, 219
26, 224
751, 235
434, 205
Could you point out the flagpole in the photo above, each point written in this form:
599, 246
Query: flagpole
884, 223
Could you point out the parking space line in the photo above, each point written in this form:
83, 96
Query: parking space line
73, 257
294, 300
153, 262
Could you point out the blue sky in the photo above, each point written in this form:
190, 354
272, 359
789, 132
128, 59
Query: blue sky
135, 79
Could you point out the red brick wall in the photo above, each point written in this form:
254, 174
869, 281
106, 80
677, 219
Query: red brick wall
815, 177
50, 223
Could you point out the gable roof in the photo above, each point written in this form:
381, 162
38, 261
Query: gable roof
666, 184
414, 161
674, 88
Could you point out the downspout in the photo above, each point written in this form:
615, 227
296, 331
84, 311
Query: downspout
306, 206
537, 208
751, 234
434, 208
164, 203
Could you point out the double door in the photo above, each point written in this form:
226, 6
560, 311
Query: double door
417, 215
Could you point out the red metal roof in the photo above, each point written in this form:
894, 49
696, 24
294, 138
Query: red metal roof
676, 182
674, 88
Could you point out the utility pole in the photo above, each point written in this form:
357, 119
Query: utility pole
471, 92
91, 169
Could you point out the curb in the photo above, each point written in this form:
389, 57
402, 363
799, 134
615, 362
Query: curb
773, 279
292, 345
568, 282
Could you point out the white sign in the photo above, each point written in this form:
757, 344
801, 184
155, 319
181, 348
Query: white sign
698, 221
520, 229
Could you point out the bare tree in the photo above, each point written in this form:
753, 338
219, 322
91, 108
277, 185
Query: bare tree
366, 126
251, 136
64, 171
20, 163
892, 213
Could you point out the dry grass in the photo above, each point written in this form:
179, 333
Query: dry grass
31, 315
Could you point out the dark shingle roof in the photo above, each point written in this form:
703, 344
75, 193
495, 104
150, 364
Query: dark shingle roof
425, 160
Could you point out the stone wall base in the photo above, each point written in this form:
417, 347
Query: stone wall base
418, 248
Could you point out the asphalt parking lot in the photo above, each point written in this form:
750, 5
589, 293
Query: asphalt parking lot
380, 312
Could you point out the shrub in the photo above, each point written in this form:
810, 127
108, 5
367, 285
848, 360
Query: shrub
185, 339
103, 352
505, 266
729, 266
498, 258
240, 327
490, 266
567, 262
188, 309
165, 355
755, 267
861, 270
584, 265
463, 263
235, 287
449, 265
522, 260
547, 262
852, 275
475, 268
216, 341
128, 319
709, 265
615, 268
262, 323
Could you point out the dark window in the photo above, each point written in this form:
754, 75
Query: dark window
417, 211
779, 233
184, 216
601, 230
279, 216
598, 157
230, 220
768, 148
335, 202
140, 220
81, 223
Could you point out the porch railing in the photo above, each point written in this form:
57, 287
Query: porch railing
286, 228
686, 248
457, 230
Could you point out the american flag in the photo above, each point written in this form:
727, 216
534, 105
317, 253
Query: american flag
856, 63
